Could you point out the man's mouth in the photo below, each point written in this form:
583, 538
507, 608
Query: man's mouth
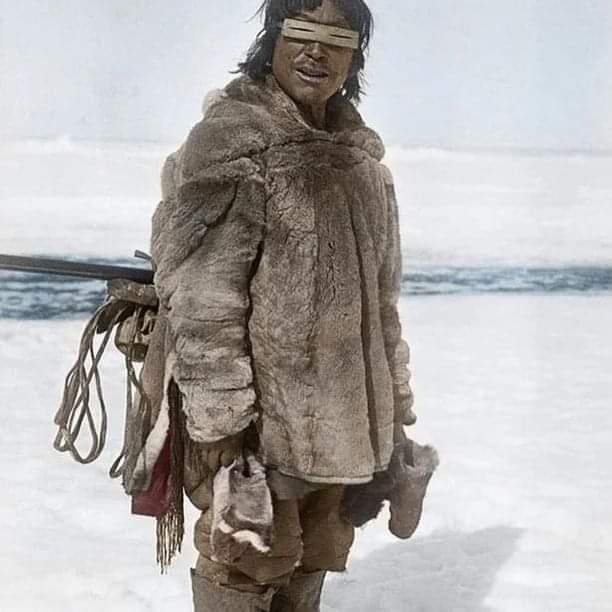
311, 74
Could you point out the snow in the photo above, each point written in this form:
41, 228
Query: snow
464, 208
512, 390
62, 197
59, 197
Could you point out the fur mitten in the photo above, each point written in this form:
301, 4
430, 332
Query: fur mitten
403, 484
242, 510
363, 502
413, 466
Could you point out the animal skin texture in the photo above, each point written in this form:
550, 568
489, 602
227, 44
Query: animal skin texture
278, 268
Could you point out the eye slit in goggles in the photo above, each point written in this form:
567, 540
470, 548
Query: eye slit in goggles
329, 35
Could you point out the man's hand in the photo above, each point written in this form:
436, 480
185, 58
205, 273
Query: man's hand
224, 452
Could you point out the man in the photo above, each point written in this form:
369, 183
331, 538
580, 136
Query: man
278, 271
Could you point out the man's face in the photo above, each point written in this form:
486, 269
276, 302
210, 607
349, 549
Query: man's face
311, 72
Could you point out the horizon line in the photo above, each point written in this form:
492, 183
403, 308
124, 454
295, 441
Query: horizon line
411, 146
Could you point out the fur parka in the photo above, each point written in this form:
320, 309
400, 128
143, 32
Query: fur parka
278, 269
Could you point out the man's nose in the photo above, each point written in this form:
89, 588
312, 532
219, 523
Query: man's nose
315, 50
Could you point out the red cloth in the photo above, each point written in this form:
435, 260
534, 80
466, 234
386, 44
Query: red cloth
156, 501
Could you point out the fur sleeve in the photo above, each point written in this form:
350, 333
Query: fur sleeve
390, 282
205, 242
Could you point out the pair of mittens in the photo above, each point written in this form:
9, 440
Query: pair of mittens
403, 484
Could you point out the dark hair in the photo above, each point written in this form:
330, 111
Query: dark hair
258, 62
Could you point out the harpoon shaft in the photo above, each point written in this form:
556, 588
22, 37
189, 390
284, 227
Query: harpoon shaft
42, 265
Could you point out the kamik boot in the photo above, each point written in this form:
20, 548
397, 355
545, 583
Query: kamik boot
302, 594
211, 597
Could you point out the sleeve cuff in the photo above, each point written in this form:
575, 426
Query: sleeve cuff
212, 415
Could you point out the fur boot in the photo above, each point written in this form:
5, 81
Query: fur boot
211, 597
302, 594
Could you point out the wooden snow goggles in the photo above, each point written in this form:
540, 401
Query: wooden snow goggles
311, 31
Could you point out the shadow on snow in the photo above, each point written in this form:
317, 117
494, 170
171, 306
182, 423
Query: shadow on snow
445, 572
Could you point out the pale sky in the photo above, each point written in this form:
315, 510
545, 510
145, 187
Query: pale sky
466, 73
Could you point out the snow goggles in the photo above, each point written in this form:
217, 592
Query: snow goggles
329, 35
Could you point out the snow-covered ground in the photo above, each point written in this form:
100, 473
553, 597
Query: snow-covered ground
467, 208
61, 197
513, 391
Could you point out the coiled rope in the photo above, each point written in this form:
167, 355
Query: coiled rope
76, 406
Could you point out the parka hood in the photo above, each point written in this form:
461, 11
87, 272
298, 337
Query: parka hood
248, 116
